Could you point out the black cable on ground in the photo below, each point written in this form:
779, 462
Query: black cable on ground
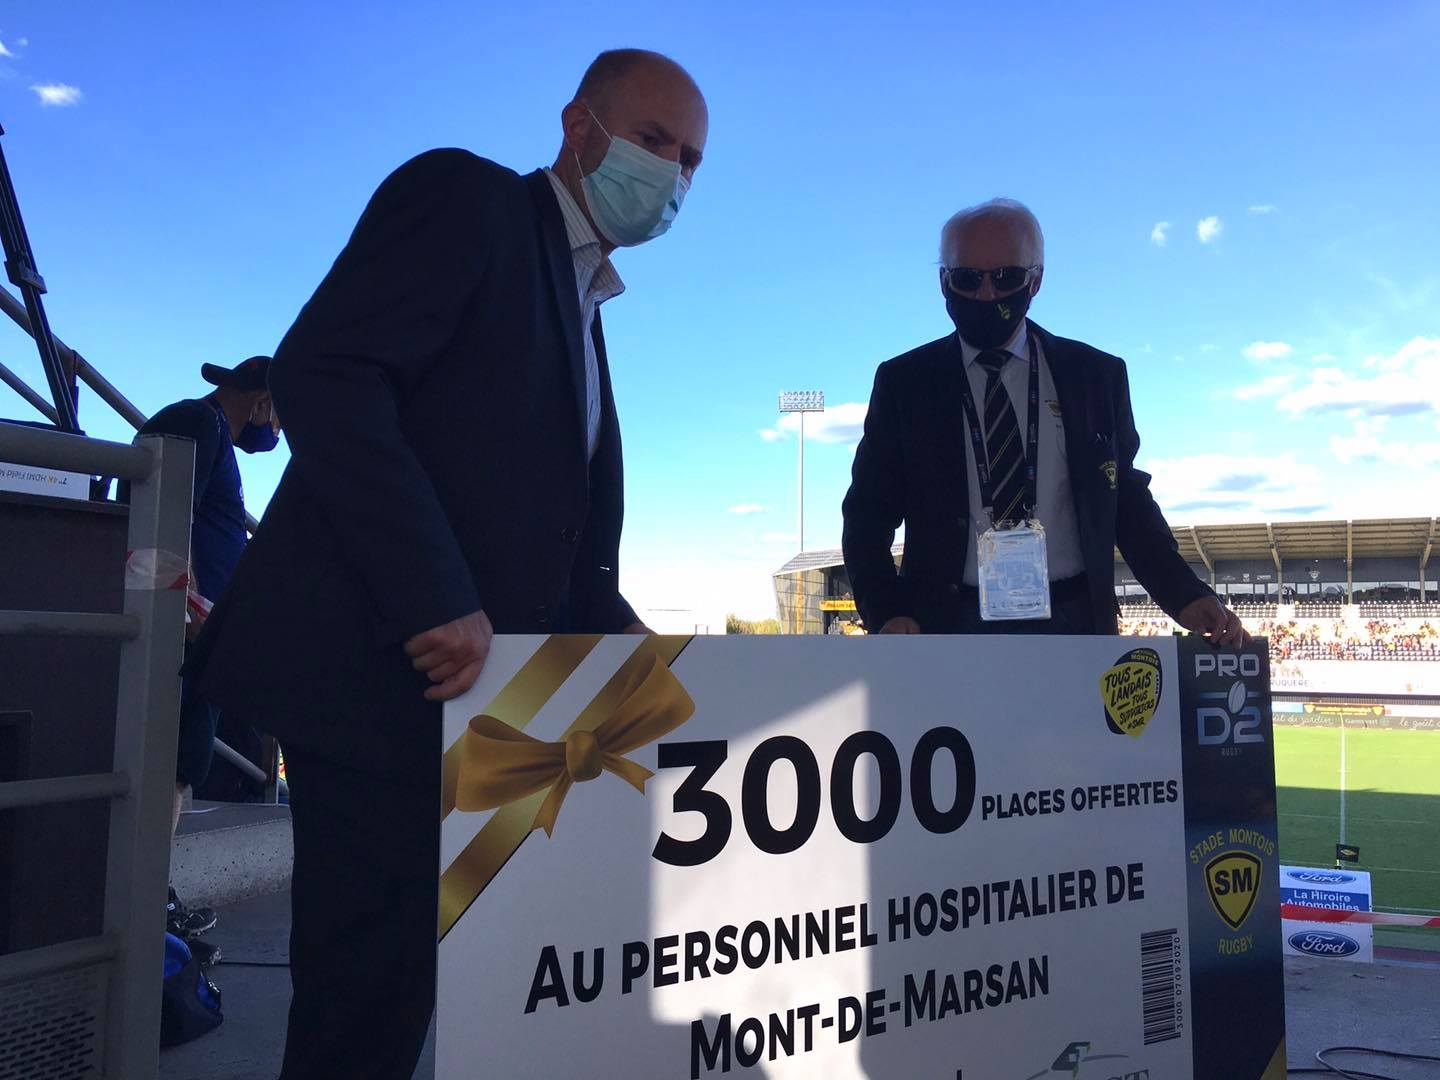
1329, 1068
252, 963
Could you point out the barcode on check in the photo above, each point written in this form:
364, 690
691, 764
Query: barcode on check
1161, 979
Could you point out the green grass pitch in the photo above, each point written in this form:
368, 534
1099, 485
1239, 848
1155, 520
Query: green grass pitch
1392, 812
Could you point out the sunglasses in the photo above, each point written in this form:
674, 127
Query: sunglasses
1005, 279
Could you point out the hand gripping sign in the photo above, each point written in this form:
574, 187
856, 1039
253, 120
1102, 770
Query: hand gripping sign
850, 857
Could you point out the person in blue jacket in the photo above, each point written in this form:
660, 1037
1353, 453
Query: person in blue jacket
237, 413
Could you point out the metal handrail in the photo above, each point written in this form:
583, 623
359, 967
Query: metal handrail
28, 963
63, 789
21, 387
86, 624
46, 449
104, 389
141, 786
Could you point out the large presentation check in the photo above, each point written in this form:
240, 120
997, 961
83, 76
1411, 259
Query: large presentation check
921, 858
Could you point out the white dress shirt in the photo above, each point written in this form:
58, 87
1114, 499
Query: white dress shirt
1054, 502
595, 281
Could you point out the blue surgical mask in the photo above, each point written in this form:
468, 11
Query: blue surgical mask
633, 195
257, 438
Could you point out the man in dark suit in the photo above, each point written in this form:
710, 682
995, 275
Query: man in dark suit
455, 472
937, 408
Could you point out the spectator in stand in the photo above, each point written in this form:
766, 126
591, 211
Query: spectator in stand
1328, 639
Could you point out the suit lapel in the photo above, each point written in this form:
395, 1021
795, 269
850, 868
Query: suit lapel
1070, 391
954, 435
609, 446
560, 269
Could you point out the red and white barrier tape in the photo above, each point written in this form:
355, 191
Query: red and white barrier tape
1305, 913
152, 569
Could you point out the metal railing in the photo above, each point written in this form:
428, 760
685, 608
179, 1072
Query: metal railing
106, 391
87, 373
126, 960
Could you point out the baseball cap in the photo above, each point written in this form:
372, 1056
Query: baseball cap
248, 375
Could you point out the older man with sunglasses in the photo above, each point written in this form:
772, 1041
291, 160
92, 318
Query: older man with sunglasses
1009, 454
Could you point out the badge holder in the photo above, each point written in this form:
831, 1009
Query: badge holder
1013, 572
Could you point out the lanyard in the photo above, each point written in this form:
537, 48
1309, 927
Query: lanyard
1032, 436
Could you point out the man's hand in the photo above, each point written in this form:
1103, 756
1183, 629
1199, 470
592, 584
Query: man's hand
452, 655
637, 628
197, 610
1211, 618
901, 624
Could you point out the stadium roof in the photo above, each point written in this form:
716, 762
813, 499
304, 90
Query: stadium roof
1206, 544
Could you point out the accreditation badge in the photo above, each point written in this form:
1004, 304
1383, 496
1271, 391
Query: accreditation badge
1013, 572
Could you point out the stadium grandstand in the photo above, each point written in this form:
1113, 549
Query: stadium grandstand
1320, 590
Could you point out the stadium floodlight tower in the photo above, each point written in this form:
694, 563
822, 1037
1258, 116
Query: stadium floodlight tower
802, 402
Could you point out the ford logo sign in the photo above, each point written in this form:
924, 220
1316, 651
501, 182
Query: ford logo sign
1321, 877
1324, 943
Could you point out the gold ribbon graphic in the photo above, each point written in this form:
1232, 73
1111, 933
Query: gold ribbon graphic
522, 697
500, 764
641, 702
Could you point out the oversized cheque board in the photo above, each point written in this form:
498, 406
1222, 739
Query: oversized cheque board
909, 857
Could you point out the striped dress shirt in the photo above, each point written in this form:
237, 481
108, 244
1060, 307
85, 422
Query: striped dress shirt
1055, 504
595, 281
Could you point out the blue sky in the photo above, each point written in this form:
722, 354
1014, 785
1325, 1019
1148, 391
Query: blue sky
188, 172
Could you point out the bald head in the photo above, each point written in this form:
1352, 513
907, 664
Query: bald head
611, 70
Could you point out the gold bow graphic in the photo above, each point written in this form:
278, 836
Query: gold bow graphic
633, 707
500, 765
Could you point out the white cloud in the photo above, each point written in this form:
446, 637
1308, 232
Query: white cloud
1267, 350
1207, 229
1263, 208
1157, 234
1270, 386
1213, 488
843, 423
1367, 448
4, 51
1208, 347
1407, 383
57, 94
747, 508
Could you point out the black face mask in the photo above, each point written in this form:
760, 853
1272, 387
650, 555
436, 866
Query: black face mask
257, 438
988, 324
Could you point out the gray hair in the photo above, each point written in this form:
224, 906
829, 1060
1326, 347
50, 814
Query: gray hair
1011, 211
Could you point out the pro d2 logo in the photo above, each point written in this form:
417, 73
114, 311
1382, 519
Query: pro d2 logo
1131, 691
1233, 881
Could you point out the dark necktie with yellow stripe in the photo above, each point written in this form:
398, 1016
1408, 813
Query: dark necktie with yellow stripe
1003, 448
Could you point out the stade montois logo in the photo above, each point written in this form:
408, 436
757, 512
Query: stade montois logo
1233, 881
1131, 691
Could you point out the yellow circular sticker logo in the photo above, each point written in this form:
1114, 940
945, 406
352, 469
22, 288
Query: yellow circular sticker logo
1131, 691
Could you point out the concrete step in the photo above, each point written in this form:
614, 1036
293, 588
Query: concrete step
228, 852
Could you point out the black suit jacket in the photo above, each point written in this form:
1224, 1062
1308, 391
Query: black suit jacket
432, 393
910, 466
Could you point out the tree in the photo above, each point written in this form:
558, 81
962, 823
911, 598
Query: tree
736, 625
